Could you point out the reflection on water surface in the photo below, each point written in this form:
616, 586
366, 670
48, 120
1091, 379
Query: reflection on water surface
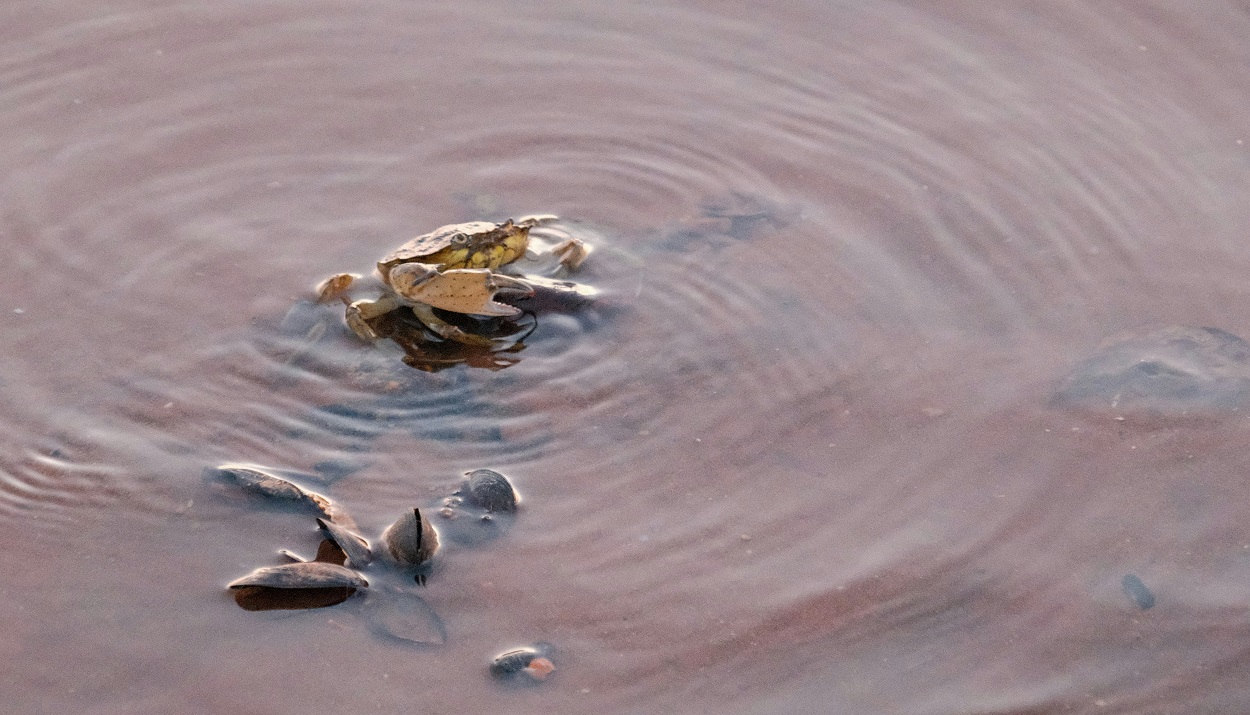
842, 431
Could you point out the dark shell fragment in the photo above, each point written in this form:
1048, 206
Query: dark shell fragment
263, 598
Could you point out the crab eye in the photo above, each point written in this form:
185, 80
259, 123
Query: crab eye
460, 239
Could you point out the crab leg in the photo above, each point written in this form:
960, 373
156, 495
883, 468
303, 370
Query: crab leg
446, 330
360, 312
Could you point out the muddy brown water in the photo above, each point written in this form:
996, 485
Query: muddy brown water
805, 455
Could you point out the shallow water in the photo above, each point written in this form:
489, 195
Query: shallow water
806, 451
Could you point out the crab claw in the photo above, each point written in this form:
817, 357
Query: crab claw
461, 290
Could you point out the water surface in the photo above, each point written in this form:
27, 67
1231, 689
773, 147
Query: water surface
805, 453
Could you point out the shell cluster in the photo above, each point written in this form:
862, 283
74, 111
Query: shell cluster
345, 558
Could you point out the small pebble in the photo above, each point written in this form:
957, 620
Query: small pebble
533, 662
540, 668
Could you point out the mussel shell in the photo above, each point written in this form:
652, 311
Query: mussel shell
258, 481
264, 598
305, 584
304, 574
262, 483
491, 491
411, 540
353, 546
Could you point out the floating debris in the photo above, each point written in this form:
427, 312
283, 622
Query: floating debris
401, 615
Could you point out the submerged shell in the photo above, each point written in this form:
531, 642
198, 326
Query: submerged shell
491, 491
411, 540
301, 585
304, 574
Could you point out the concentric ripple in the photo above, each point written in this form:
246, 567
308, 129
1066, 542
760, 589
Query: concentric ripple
800, 451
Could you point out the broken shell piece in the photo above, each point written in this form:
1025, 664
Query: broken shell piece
411, 540
297, 585
534, 662
353, 546
491, 491
572, 252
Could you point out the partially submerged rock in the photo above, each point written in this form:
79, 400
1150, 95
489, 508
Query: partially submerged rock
1137, 592
1175, 370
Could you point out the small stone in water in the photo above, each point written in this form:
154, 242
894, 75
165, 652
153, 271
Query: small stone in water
533, 662
540, 668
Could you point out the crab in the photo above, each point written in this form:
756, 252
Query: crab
457, 268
